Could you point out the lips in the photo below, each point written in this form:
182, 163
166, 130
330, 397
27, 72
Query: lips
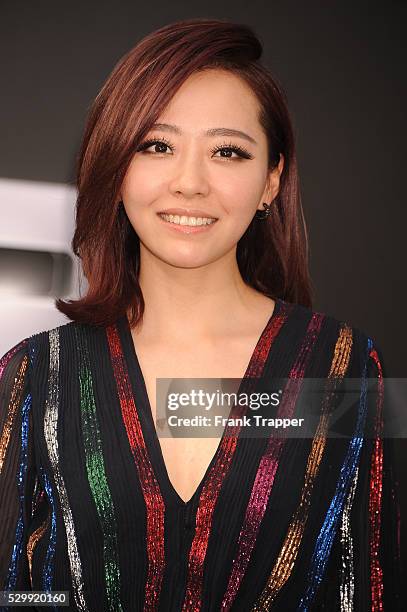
188, 212
185, 225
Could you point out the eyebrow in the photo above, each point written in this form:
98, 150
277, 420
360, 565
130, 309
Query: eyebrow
166, 127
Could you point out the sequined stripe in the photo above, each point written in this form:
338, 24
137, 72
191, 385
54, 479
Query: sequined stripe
268, 465
32, 542
96, 473
347, 585
221, 465
327, 534
18, 541
50, 432
154, 502
14, 402
375, 497
42, 488
48, 569
5, 360
289, 551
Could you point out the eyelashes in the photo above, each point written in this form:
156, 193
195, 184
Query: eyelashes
226, 146
229, 146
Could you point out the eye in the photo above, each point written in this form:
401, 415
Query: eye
162, 143
228, 148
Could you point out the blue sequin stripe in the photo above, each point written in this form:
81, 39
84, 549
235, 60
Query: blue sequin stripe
19, 535
48, 569
327, 534
96, 473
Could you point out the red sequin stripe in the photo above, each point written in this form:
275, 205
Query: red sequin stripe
375, 496
216, 476
152, 496
7, 356
268, 465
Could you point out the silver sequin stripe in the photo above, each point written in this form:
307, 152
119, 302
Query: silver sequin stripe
50, 430
347, 586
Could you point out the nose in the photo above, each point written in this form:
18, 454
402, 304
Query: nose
189, 178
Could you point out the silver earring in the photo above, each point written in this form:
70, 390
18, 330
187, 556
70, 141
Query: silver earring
263, 214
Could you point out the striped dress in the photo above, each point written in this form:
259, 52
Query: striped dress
277, 522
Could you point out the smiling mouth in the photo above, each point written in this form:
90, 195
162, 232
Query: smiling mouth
191, 221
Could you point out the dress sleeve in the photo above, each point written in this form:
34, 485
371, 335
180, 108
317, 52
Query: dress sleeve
17, 467
371, 569
363, 572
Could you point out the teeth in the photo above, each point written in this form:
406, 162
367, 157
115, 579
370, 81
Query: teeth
183, 220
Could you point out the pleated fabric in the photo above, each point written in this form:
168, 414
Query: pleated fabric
276, 523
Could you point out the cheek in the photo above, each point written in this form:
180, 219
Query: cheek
239, 206
140, 185
241, 192
139, 192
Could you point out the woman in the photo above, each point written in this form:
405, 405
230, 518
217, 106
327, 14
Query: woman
194, 245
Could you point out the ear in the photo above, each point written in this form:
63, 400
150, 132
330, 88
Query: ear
273, 183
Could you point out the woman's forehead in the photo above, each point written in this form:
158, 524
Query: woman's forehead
207, 102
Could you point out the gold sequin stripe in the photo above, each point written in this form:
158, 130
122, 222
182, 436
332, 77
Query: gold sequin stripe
264, 479
50, 432
32, 543
347, 586
15, 400
289, 551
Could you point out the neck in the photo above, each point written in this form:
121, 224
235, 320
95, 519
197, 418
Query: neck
203, 302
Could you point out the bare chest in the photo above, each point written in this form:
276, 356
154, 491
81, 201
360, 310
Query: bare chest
187, 459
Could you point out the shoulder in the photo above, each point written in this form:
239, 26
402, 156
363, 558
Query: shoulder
36, 338
329, 321
65, 343
333, 330
51, 350
38, 344
15, 359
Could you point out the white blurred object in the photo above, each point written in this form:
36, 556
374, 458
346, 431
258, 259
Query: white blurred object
37, 222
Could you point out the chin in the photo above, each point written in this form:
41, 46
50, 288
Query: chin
191, 259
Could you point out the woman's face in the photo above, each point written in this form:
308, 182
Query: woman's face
191, 165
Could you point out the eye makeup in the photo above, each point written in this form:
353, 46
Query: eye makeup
240, 151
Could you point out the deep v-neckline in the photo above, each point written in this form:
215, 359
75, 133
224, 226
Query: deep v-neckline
135, 367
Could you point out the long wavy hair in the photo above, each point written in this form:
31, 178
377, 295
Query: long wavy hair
272, 255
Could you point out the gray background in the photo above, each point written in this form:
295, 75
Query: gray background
342, 66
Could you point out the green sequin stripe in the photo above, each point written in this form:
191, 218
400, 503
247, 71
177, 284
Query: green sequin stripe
96, 473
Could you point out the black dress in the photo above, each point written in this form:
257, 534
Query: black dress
277, 522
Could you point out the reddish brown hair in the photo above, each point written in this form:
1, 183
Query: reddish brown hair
272, 255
